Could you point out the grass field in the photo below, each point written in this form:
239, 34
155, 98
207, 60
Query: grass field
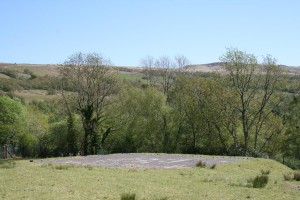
131, 76
38, 95
34, 180
40, 70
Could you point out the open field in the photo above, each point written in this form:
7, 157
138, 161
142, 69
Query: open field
34, 180
39, 95
38, 69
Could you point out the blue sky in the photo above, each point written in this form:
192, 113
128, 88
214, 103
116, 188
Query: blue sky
40, 31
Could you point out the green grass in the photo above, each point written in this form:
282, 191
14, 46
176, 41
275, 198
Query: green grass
34, 180
131, 76
7, 164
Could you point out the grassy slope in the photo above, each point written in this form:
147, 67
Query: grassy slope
227, 181
40, 70
39, 95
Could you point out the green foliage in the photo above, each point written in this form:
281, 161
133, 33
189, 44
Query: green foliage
265, 172
27, 143
59, 166
12, 120
297, 175
9, 72
145, 122
63, 167
128, 196
92, 83
260, 181
51, 91
212, 166
255, 86
27, 71
167, 111
201, 164
9, 85
291, 141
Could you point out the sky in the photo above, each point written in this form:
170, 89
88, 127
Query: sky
49, 31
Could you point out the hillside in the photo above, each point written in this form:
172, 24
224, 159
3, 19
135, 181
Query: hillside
216, 67
51, 69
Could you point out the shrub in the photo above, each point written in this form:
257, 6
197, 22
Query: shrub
51, 91
64, 166
59, 166
28, 71
9, 72
288, 176
128, 196
213, 166
260, 181
265, 172
297, 175
201, 164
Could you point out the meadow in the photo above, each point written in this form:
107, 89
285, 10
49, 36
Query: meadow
37, 180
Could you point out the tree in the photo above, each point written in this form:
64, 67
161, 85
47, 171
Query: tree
255, 86
163, 71
201, 116
291, 140
90, 83
180, 63
12, 121
149, 69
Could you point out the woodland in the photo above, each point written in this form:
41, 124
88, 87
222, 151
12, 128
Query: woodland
247, 108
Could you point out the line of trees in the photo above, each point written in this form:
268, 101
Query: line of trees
242, 111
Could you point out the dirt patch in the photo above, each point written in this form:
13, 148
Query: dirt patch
137, 160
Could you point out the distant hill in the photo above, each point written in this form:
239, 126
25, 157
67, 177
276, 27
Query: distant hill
52, 69
216, 67
209, 67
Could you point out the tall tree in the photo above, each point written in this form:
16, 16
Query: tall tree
149, 69
90, 81
12, 121
255, 86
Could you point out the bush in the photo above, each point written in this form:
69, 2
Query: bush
59, 166
213, 166
51, 91
201, 164
128, 196
288, 176
28, 71
297, 175
9, 72
9, 85
260, 181
265, 172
